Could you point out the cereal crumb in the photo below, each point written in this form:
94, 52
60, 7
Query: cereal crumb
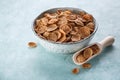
32, 44
75, 70
86, 65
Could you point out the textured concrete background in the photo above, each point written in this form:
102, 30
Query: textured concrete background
18, 62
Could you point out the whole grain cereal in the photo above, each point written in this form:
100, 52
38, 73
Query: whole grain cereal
65, 26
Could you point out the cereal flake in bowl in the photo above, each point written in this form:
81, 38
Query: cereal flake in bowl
64, 30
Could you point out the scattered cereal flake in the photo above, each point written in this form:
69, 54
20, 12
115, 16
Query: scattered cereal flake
32, 44
75, 70
86, 65
87, 53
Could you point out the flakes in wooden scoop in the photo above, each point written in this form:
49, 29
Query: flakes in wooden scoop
95, 49
87, 53
80, 58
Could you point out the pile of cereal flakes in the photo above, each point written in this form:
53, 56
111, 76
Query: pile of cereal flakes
65, 26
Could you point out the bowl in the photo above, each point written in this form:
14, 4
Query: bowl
68, 47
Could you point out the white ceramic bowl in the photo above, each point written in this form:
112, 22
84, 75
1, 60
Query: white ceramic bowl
63, 48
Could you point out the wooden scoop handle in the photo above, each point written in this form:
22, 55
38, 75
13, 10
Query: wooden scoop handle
107, 41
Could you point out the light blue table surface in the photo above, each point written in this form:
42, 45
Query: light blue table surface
18, 62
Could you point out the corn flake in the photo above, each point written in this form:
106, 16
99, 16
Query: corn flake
87, 53
32, 44
80, 58
52, 27
84, 31
86, 65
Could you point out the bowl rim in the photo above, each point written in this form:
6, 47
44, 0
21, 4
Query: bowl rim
64, 8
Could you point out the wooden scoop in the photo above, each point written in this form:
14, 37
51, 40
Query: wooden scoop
101, 45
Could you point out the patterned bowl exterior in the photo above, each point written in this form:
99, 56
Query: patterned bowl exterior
63, 48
